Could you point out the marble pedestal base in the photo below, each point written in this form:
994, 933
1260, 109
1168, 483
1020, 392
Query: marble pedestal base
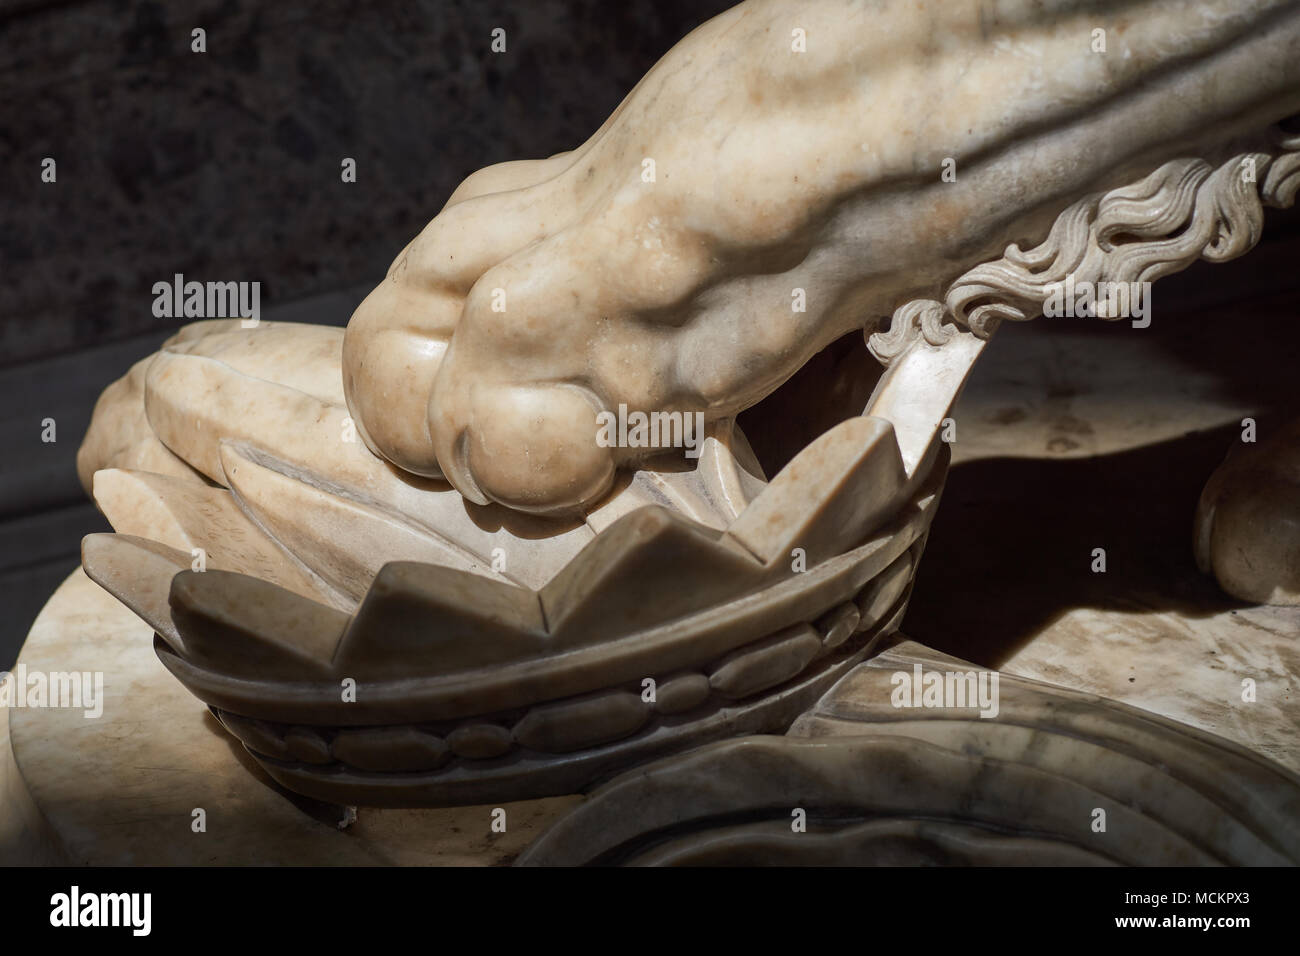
123, 788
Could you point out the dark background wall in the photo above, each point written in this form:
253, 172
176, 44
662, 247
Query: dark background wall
225, 165
228, 162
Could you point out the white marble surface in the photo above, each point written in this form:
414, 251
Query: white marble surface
1190, 670
1068, 434
122, 789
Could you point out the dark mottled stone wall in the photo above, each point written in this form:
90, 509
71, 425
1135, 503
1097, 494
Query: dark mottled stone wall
225, 165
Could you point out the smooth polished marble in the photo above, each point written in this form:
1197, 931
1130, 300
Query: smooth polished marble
121, 790
431, 582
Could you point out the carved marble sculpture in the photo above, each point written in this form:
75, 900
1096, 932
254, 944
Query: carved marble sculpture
743, 600
944, 787
1248, 521
419, 510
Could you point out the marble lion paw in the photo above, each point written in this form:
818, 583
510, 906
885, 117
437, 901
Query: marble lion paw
785, 174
